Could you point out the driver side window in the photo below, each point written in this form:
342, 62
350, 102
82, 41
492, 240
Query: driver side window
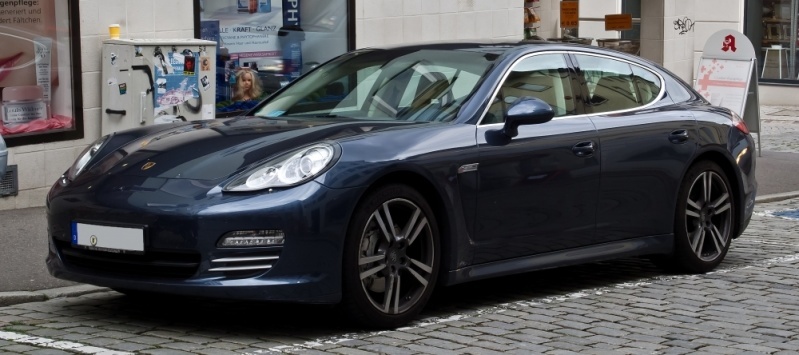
544, 76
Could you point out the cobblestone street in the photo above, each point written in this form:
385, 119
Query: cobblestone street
750, 304
779, 128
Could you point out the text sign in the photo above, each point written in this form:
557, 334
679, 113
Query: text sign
620, 22
569, 14
726, 75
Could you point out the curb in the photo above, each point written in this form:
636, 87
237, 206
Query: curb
17, 297
777, 197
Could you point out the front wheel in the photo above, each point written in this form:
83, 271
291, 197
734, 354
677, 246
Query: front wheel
391, 257
703, 226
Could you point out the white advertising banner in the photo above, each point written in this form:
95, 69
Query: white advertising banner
724, 82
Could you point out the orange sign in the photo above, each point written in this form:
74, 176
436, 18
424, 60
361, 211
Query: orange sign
619, 22
569, 14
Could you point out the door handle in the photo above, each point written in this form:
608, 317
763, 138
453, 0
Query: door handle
583, 149
679, 136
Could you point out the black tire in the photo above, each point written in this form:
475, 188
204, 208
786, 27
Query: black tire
704, 220
379, 261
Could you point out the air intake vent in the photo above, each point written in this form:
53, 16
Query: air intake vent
245, 265
8, 183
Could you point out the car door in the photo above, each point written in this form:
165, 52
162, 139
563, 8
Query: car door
646, 141
538, 191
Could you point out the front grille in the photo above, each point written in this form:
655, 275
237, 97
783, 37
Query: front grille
151, 264
245, 265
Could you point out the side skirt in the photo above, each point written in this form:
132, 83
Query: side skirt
661, 244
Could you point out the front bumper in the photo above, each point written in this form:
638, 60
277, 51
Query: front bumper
182, 228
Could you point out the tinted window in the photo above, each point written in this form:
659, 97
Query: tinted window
615, 85
647, 83
543, 76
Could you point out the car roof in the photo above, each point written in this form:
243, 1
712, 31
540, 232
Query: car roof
499, 47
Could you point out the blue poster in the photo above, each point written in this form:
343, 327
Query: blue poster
176, 79
291, 36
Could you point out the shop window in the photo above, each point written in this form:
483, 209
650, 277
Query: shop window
40, 72
279, 40
772, 26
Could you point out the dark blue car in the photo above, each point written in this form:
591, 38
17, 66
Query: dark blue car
386, 172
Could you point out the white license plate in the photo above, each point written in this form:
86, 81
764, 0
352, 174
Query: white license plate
106, 238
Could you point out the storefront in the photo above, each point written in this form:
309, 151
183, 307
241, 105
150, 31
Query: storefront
264, 44
772, 27
39, 81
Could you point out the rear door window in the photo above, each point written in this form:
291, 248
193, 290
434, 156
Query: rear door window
615, 85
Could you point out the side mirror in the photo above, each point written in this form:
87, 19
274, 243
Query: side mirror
526, 110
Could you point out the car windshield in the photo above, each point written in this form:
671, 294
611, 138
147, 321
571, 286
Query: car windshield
409, 85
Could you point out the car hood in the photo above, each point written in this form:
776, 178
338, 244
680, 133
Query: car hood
216, 149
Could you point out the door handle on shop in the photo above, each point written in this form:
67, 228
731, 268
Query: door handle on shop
679, 136
115, 112
583, 149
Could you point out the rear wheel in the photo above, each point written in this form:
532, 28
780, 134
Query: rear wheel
704, 221
391, 257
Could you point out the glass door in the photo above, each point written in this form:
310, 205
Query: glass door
772, 26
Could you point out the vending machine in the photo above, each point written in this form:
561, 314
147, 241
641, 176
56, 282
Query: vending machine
152, 81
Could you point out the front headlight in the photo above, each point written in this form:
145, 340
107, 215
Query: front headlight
287, 170
85, 157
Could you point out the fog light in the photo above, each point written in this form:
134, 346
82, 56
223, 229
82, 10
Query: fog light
254, 238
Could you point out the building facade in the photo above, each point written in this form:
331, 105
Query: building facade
671, 32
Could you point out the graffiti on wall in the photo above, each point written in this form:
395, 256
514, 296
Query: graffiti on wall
684, 25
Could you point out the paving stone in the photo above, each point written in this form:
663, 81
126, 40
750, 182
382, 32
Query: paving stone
443, 344
461, 339
19, 348
131, 347
101, 342
413, 337
148, 340
719, 350
608, 331
182, 346
428, 349
165, 352
48, 352
479, 351
216, 351
386, 349
756, 348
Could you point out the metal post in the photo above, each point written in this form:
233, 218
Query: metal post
792, 37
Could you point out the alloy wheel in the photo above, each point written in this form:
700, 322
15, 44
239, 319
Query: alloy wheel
708, 216
396, 256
